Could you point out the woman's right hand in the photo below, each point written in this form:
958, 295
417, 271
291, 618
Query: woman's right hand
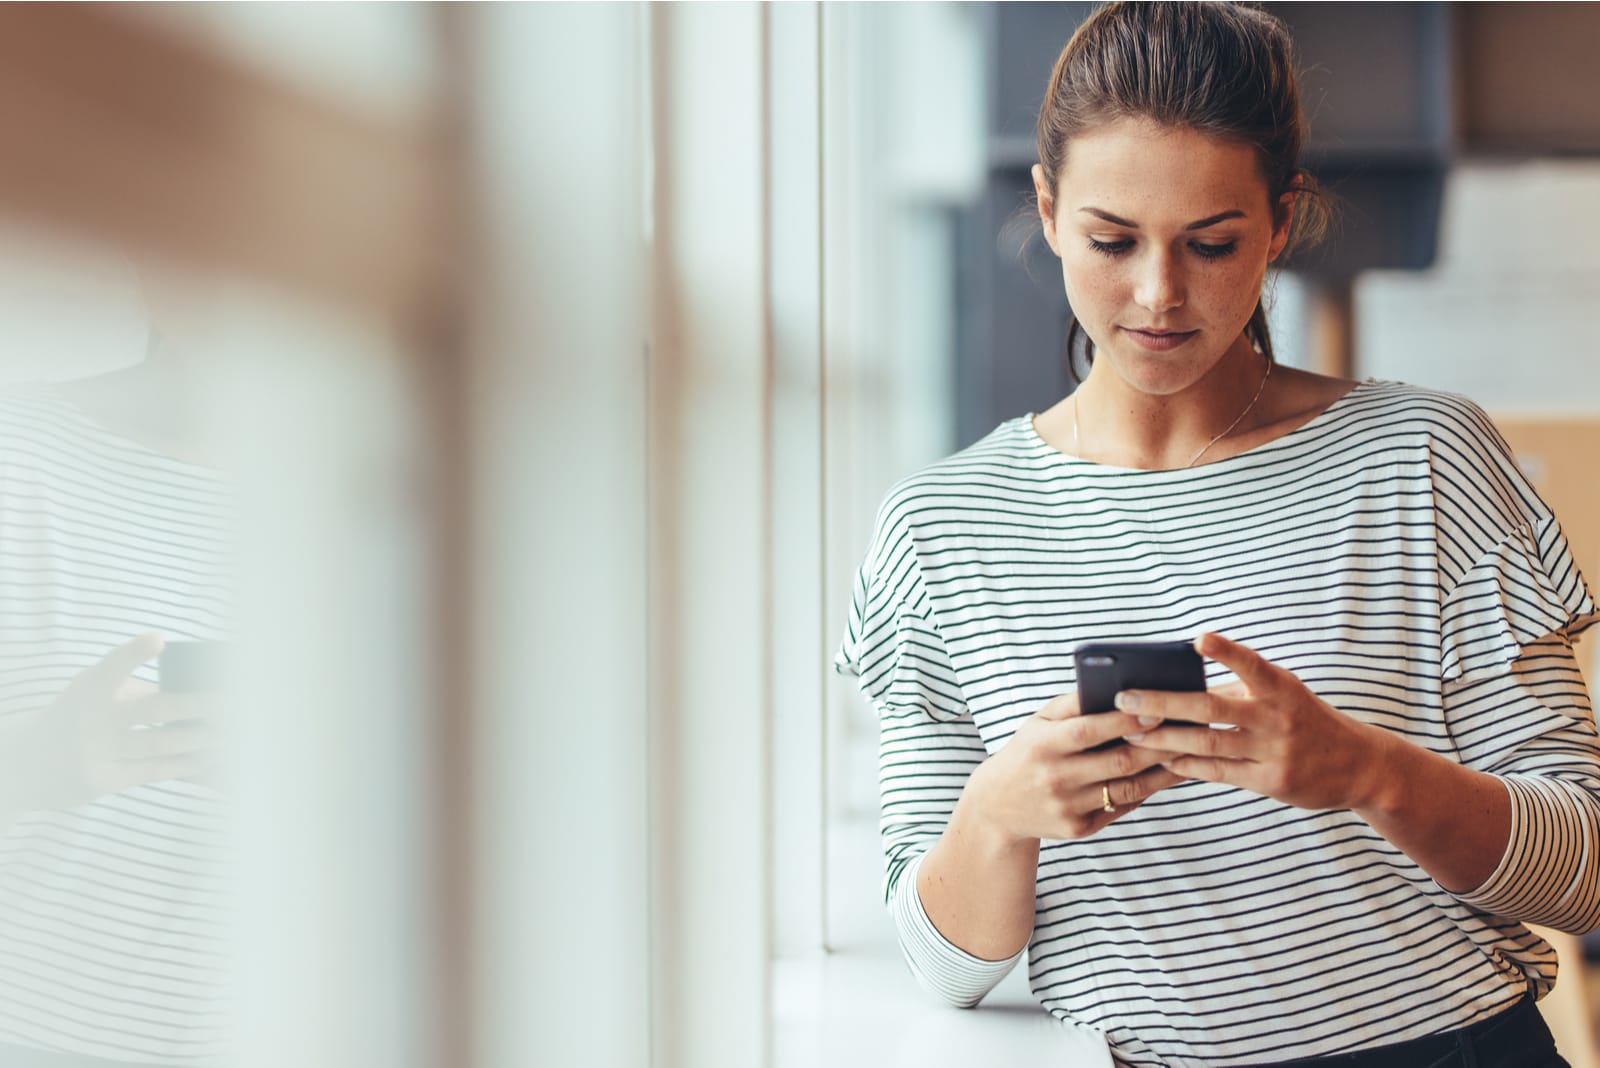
106, 733
1046, 782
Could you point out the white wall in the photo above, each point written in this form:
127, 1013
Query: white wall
1507, 315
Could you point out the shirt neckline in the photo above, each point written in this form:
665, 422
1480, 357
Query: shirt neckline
1051, 453
53, 393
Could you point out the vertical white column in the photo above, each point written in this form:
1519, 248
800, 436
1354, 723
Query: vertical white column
327, 717
562, 835
800, 632
853, 383
710, 674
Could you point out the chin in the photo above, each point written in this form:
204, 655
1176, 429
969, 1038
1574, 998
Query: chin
1159, 374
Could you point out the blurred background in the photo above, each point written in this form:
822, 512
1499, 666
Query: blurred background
488, 406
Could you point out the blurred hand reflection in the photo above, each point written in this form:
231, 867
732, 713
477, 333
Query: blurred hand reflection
109, 732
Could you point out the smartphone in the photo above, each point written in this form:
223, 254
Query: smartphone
191, 667
1107, 668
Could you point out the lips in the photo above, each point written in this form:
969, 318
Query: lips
1159, 340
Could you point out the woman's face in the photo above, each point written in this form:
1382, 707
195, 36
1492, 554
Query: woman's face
1164, 235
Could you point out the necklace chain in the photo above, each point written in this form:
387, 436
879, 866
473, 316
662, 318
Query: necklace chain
1077, 450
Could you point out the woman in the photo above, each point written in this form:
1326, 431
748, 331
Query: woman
1409, 771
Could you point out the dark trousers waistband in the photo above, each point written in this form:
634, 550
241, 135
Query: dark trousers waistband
1514, 1037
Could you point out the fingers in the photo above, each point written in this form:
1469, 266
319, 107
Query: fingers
1061, 707
154, 708
1127, 793
1081, 733
107, 676
1212, 706
1244, 774
1128, 773
175, 740
1202, 741
1114, 762
1254, 670
133, 689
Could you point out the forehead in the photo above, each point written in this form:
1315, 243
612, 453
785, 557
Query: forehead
1154, 174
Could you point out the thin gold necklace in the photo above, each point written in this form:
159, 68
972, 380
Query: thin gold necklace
1077, 450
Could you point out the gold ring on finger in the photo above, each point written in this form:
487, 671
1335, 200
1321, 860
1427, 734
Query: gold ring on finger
1105, 798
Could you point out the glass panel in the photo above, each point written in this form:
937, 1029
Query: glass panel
212, 673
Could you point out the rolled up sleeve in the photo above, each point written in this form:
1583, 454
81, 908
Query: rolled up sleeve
928, 748
1518, 708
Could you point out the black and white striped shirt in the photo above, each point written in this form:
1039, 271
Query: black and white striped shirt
114, 918
1389, 553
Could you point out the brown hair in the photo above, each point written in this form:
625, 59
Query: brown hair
1219, 68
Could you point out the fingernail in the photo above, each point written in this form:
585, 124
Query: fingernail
1148, 721
1127, 701
1139, 737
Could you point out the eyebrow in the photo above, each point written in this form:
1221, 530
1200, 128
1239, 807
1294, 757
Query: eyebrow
1199, 224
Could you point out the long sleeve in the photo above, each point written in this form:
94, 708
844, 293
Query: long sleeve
1513, 695
928, 747
1533, 726
1511, 603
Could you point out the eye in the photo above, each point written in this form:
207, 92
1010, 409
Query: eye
1111, 248
1214, 252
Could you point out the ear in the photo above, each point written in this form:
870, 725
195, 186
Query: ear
1283, 219
1047, 208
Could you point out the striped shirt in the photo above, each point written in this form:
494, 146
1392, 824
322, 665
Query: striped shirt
1391, 554
112, 913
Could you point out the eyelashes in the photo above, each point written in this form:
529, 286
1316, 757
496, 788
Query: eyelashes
1110, 248
1202, 249
1214, 252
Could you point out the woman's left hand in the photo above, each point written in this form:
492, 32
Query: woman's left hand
1283, 740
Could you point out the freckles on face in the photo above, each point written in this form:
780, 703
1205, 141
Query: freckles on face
1164, 235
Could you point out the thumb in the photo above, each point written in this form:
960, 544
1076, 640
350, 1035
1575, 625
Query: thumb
1062, 706
107, 676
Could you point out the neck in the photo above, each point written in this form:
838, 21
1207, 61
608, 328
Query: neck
1125, 426
154, 402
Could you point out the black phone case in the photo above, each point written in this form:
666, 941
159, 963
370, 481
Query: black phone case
1170, 666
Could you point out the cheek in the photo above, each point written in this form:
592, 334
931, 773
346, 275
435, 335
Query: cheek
1228, 292
1093, 282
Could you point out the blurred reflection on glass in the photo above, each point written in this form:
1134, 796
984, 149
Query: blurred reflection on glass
114, 538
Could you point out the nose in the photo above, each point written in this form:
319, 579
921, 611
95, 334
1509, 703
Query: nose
1159, 286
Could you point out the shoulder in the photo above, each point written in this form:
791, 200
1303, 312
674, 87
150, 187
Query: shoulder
1451, 424
1473, 469
1005, 469
40, 401
1430, 417
33, 418
1005, 465
1402, 402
